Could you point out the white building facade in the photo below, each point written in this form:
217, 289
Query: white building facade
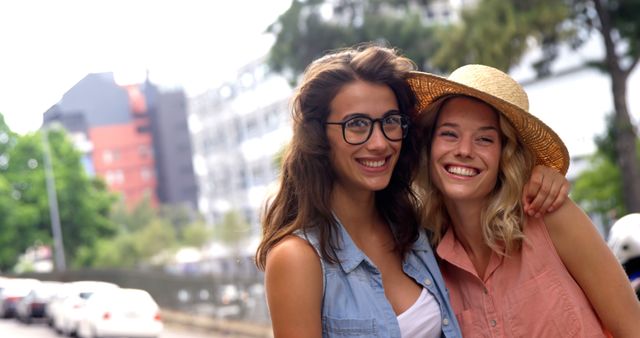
237, 132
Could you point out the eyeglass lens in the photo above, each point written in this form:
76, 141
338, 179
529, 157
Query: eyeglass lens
358, 129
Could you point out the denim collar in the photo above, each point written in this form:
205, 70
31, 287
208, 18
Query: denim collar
350, 256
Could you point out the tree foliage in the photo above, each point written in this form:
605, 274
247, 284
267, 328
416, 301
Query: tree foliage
232, 229
97, 229
599, 188
497, 33
148, 235
309, 29
8, 204
83, 202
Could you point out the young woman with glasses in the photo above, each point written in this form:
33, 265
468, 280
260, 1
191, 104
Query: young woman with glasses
342, 250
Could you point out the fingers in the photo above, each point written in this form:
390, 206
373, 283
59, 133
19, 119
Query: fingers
531, 191
537, 197
552, 195
562, 196
546, 191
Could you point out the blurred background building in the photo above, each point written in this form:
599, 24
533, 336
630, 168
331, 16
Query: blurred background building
134, 136
238, 130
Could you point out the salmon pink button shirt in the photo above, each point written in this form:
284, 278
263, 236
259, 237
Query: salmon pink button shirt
527, 294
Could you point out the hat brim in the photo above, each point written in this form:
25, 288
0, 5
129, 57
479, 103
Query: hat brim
545, 144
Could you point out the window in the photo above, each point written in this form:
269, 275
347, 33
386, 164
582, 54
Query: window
144, 151
114, 177
107, 156
146, 174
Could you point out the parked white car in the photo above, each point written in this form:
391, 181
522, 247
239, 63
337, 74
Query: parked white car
68, 306
120, 313
13, 290
34, 304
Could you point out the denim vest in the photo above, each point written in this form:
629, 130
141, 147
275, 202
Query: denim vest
354, 303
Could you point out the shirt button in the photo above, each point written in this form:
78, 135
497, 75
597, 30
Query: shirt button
445, 322
493, 322
485, 291
427, 281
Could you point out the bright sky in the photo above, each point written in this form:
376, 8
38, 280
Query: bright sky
48, 46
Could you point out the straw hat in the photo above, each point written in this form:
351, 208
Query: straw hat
506, 95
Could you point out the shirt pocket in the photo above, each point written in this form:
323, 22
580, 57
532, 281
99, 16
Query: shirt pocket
335, 327
541, 307
470, 325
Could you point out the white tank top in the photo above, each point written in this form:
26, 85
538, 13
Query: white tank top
422, 319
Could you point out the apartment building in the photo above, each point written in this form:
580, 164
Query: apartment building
237, 131
134, 136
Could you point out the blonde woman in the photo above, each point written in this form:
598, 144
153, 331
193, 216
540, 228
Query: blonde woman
509, 274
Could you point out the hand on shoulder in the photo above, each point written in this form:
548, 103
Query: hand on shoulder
546, 191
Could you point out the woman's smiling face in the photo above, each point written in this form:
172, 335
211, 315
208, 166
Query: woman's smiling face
466, 149
366, 166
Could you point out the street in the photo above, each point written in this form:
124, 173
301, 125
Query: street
11, 328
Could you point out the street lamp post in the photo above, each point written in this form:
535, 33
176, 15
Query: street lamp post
58, 245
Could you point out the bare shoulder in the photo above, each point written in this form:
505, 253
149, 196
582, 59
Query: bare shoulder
292, 252
293, 282
291, 263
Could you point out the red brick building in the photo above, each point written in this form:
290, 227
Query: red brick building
137, 135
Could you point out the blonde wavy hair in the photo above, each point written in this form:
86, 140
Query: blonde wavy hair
503, 217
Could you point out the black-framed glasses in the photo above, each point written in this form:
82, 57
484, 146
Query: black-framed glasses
358, 129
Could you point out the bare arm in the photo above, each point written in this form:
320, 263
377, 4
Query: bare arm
293, 281
545, 192
595, 268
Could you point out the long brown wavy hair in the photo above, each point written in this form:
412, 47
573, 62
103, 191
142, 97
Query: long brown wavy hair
306, 179
503, 217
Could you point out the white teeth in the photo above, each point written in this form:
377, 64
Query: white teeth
461, 171
373, 164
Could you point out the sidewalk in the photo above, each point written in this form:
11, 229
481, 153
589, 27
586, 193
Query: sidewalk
235, 329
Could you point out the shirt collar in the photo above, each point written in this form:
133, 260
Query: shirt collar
450, 250
350, 256
422, 244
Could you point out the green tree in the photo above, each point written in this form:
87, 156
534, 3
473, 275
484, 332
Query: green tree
155, 238
308, 29
488, 35
135, 218
497, 33
196, 234
83, 202
599, 189
8, 203
232, 230
148, 235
